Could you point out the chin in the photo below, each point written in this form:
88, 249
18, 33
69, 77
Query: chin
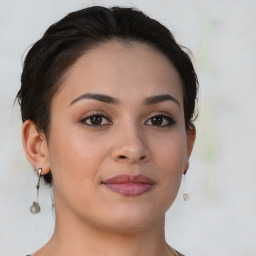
132, 220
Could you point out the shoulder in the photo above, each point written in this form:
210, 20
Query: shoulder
180, 254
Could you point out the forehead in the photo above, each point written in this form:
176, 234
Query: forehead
124, 70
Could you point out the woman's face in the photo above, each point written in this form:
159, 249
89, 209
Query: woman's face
118, 112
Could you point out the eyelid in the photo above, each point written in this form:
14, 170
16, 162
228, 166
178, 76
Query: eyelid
165, 115
160, 113
94, 113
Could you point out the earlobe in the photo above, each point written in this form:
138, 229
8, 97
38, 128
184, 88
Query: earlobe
35, 146
191, 136
186, 167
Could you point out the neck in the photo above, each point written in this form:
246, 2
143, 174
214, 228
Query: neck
76, 237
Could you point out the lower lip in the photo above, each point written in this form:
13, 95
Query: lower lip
130, 189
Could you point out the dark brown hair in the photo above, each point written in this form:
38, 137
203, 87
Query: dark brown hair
65, 41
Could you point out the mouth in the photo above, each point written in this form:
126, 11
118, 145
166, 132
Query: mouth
129, 185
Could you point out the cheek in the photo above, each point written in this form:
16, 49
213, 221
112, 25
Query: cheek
170, 151
170, 158
72, 156
74, 161
76, 157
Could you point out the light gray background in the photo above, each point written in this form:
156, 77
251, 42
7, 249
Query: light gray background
220, 218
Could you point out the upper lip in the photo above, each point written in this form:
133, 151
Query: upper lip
126, 178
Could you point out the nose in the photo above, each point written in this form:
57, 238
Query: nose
131, 146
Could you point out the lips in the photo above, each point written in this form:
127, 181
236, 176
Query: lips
129, 185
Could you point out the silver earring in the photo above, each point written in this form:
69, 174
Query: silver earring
35, 207
186, 196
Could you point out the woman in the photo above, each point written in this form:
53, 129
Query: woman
107, 100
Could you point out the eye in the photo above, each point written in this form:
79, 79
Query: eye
95, 120
160, 120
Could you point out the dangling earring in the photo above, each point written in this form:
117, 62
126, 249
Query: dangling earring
186, 196
35, 207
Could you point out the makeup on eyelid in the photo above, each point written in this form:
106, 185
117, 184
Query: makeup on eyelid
158, 117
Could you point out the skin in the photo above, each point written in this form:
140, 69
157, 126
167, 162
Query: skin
125, 141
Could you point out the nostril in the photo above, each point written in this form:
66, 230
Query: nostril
124, 157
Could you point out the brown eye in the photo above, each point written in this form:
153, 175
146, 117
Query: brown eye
157, 120
160, 120
95, 120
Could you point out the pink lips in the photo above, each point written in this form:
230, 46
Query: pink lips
129, 185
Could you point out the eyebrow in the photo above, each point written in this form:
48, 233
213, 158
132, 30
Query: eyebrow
111, 100
160, 98
97, 96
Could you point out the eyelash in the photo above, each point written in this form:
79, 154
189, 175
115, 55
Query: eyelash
170, 121
91, 115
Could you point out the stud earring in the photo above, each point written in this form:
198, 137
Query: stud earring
35, 207
186, 196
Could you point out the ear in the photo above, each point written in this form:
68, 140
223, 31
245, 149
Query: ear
191, 136
35, 147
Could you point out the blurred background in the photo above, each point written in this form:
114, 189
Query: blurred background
220, 217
